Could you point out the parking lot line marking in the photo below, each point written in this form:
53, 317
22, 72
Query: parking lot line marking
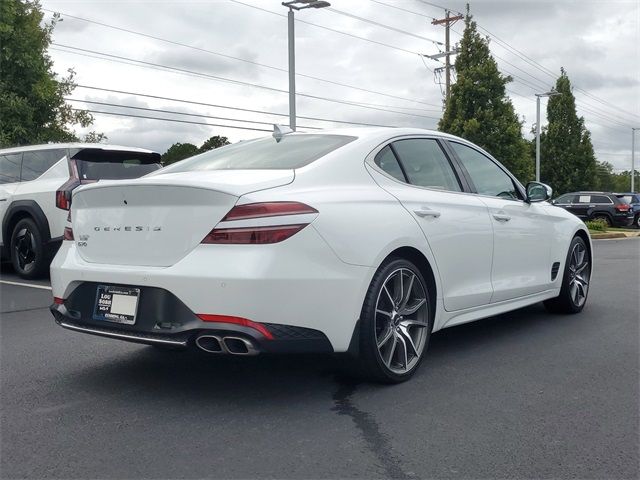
20, 284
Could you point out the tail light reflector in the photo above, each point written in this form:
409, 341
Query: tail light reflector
68, 233
259, 234
267, 209
237, 321
63, 199
58, 300
252, 235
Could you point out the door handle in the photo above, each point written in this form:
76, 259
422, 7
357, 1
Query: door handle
427, 212
501, 217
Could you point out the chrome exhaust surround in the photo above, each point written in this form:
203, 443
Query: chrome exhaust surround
229, 345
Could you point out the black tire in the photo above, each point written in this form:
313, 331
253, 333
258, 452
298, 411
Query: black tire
636, 221
565, 302
605, 218
370, 362
29, 256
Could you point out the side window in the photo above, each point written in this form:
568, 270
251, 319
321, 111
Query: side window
37, 162
565, 199
10, 167
601, 200
426, 165
584, 198
488, 177
388, 162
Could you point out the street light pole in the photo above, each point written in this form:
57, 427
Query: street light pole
292, 70
296, 5
550, 93
633, 158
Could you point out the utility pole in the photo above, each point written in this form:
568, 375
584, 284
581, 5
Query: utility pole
550, 93
447, 21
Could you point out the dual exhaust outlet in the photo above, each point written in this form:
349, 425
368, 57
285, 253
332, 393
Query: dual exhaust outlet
230, 345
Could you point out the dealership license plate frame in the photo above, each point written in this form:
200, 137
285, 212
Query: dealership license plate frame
126, 299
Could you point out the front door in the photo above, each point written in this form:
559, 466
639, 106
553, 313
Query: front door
521, 242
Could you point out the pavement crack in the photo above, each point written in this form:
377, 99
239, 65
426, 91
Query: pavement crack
24, 310
377, 442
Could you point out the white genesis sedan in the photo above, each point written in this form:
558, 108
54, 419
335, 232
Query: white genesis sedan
359, 240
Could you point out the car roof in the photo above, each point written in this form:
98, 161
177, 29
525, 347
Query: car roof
371, 132
80, 145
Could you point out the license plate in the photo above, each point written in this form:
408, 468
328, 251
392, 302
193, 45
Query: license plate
116, 304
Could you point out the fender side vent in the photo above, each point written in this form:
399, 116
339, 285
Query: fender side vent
554, 270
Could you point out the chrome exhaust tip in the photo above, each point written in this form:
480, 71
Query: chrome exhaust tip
239, 346
210, 344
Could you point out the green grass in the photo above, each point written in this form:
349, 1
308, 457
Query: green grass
596, 226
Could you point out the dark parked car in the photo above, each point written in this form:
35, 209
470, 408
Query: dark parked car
632, 199
610, 208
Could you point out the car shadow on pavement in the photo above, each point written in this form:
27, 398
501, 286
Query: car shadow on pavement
207, 376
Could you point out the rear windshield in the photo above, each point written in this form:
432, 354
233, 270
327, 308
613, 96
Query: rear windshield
97, 164
293, 151
626, 198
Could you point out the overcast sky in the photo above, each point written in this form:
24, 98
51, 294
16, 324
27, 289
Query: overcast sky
597, 42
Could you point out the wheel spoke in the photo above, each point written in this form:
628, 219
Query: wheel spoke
581, 268
573, 289
413, 308
388, 334
412, 323
389, 295
407, 294
382, 312
408, 340
404, 357
389, 356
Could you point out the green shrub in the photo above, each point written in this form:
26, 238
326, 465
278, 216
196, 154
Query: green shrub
596, 225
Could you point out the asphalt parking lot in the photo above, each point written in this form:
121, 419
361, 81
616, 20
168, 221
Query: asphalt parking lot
523, 395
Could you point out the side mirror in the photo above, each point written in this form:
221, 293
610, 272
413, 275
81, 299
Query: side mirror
538, 192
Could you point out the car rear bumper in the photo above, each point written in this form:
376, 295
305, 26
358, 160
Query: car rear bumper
162, 319
625, 221
297, 284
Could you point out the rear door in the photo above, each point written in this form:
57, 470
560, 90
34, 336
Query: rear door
456, 225
583, 206
521, 241
9, 181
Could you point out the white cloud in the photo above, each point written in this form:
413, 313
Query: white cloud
597, 43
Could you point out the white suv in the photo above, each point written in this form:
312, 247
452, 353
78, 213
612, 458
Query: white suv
35, 193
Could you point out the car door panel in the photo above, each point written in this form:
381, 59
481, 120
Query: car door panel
458, 231
521, 242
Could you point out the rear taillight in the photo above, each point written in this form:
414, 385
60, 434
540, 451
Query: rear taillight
58, 300
253, 235
68, 230
267, 209
623, 207
261, 234
63, 199
63, 194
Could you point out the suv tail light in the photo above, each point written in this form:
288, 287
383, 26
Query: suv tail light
260, 234
623, 207
68, 229
63, 194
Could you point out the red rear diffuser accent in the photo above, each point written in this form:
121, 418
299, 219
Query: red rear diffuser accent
236, 321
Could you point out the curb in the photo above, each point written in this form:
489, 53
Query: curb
597, 236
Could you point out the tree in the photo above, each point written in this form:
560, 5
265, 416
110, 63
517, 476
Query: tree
479, 110
179, 151
214, 142
567, 159
32, 106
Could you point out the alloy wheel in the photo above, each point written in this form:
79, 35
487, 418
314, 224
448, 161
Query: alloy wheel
25, 249
579, 273
401, 320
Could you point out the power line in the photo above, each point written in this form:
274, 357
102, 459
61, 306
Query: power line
170, 120
174, 112
263, 112
231, 57
382, 25
118, 59
328, 28
402, 9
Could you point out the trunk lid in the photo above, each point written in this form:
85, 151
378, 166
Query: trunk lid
158, 219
